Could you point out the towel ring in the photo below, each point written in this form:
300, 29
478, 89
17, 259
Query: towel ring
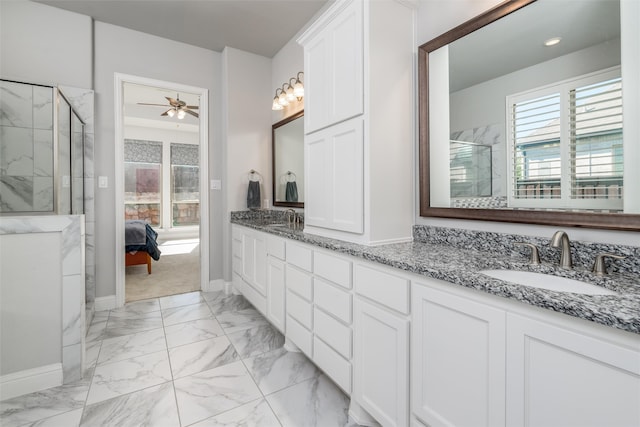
291, 177
255, 176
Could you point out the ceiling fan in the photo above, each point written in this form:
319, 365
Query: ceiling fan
179, 108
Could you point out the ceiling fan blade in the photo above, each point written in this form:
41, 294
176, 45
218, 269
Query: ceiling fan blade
193, 107
166, 113
172, 101
159, 105
194, 114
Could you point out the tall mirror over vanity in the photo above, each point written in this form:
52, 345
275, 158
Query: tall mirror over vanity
288, 161
527, 115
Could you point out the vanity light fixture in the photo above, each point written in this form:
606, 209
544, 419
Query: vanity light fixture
276, 105
552, 41
290, 91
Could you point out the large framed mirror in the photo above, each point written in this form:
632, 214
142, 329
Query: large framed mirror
516, 128
288, 161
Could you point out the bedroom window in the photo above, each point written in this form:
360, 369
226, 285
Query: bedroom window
162, 183
565, 144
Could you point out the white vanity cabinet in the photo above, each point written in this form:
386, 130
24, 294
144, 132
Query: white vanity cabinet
276, 299
381, 359
564, 375
457, 357
353, 54
334, 73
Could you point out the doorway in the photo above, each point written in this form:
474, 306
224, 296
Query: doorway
161, 188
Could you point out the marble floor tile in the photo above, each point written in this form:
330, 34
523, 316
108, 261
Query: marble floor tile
279, 369
252, 414
193, 331
96, 330
221, 302
153, 406
117, 327
212, 392
67, 419
91, 352
137, 307
201, 356
118, 378
181, 300
313, 403
258, 340
128, 346
233, 321
43, 404
186, 313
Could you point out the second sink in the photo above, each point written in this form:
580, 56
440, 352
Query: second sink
548, 281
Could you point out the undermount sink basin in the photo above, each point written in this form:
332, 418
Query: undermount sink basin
547, 281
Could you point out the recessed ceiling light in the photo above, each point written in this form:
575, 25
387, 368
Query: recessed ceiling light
553, 41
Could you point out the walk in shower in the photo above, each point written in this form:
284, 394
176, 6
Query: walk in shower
42, 151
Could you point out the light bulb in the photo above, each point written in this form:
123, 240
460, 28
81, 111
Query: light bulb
276, 105
181, 114
282, 100
290, 95
298, 90
171, 113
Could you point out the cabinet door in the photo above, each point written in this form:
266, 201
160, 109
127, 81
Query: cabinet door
381, 363
259, 281
248, 256
334, 177
276, 293
560, 377
334, 70
457, 354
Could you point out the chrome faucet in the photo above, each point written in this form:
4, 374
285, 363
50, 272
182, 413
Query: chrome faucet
560, 239
291, 216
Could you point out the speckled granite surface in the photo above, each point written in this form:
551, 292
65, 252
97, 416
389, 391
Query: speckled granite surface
457, 261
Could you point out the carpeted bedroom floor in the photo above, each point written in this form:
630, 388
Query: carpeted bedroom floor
177, 272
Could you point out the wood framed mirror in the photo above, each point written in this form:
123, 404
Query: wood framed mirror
288, 161
553, 180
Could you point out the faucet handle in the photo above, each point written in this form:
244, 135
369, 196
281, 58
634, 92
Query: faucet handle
599, 266
535, 254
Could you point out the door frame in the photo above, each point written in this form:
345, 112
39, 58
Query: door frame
119, 81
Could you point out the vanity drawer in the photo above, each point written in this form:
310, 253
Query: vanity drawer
383, 287
299, 336
300, 310
299, 282
332, 268
299, 256
334, 333
276, 247
333, 364
332, 300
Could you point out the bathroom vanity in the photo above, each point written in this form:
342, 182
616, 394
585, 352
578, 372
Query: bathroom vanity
417, 336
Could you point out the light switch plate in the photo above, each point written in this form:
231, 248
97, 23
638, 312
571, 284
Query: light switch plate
216, 184
103, 182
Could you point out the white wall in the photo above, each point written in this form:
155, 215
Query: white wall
247, 131
436, 17
45, 45
120, 50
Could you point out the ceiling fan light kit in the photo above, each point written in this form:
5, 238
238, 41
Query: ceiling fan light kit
178, 107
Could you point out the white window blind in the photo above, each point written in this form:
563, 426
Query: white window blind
565, 145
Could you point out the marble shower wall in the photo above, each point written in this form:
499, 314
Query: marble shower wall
26, 148
82, 101
490, 135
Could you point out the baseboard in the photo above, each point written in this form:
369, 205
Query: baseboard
105, 303
30, 381
215, 285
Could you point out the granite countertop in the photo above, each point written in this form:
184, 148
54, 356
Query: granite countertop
462, 267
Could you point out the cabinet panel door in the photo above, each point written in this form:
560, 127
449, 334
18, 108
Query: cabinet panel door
457, 353
316, 82
559, 377
334, 179
381, 364
345, 93
248, 256
260, 268
276, 293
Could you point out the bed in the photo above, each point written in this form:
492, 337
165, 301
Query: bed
140, 244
